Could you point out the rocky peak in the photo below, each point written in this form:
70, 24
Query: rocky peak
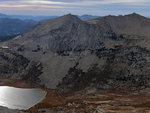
135, 15
45, 27
70, 17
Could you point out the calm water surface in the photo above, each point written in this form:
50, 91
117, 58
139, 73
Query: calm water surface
20, 98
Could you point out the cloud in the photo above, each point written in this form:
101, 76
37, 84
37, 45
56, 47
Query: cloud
75, 3
32, 4
45, 2
35, 2
77, 6
108, 2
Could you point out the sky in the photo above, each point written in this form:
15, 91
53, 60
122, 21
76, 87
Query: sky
77, 7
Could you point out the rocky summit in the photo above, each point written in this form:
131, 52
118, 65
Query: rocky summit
106, 53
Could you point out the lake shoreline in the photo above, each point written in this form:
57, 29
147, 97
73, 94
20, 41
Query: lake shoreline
109, 101
20, 98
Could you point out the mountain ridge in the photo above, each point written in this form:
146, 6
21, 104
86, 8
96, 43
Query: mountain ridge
123, 24
91, 54
42, 18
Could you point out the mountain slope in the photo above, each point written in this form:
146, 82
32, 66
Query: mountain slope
103, 53
42, 18
26, 17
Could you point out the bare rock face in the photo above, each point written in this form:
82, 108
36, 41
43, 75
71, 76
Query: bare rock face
104, 53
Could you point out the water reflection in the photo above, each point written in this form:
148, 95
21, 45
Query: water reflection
19, 98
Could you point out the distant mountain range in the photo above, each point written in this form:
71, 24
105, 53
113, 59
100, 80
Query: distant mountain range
41, 18
87, 17
12, 27
23, 17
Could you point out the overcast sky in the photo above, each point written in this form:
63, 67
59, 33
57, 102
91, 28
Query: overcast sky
77, 7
